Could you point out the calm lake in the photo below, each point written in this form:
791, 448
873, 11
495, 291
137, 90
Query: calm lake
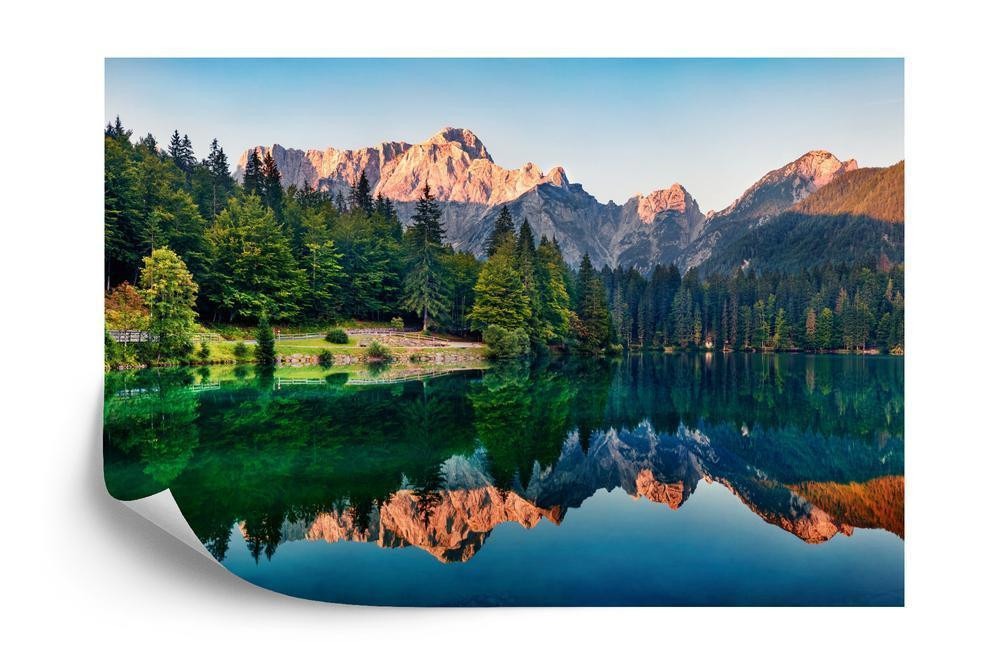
653, 479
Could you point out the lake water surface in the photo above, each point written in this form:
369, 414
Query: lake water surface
653, 479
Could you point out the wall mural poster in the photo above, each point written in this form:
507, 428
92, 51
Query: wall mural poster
368, 359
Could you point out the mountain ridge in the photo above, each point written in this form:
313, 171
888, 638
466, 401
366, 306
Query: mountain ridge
664, 226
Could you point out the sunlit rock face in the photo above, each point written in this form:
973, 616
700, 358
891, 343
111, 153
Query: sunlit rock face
664, 226
454, 163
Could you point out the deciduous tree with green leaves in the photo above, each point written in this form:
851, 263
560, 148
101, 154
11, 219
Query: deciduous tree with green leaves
169, 292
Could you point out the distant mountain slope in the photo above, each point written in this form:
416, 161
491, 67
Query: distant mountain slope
872, 192
856, 218
776, 192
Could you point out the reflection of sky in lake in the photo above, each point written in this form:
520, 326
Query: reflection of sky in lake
614, 549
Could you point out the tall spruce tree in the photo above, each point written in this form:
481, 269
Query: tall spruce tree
526, 259
264, 352
361, 195
425, 287
594, 331
501, 299
271, 185
503, 229
553, 295
253, 182
221, 179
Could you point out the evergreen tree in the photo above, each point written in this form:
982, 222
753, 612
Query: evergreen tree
425, 288
221, 180
339, 202
810, 328
148, 142
264, 352
526, 259
594, 329
824, 329
553, 295
503, 229
384, 208
501, 299
253, 181
181, 152
187, 156
117, 131
271, 185
175, 149
427, 219
779, 338
252, 266
361, 195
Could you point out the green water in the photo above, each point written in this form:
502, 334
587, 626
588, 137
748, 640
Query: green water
652, 479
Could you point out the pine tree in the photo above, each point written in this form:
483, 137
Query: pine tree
810, 328
253, 183
339, 202
264, 352
824, 329
222, 182
503, 229
592, 310
501, 299
187, 156
525, 257
181, 152
554, 297
683, 317
361, 195
176, 148
427, 218
117, 131
271, 185
425, 288
778, 338
148, 142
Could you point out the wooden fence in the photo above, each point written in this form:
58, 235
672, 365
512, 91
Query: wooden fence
129, 336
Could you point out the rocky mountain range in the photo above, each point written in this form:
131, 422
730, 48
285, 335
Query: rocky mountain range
664, 226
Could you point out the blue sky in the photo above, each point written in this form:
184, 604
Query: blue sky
617, 126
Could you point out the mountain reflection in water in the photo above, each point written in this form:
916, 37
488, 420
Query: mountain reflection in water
813, 445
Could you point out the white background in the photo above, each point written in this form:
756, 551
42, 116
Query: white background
85, 578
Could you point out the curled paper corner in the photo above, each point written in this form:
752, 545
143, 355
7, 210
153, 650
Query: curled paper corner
162, 511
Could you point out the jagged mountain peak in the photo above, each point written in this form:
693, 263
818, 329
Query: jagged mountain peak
780, 188
466, 139
675, 198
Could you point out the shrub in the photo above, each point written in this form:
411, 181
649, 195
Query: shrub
241, 351
326, 358
503, 343
203, 352
615, 348
396, 323
376, 351
336, 336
